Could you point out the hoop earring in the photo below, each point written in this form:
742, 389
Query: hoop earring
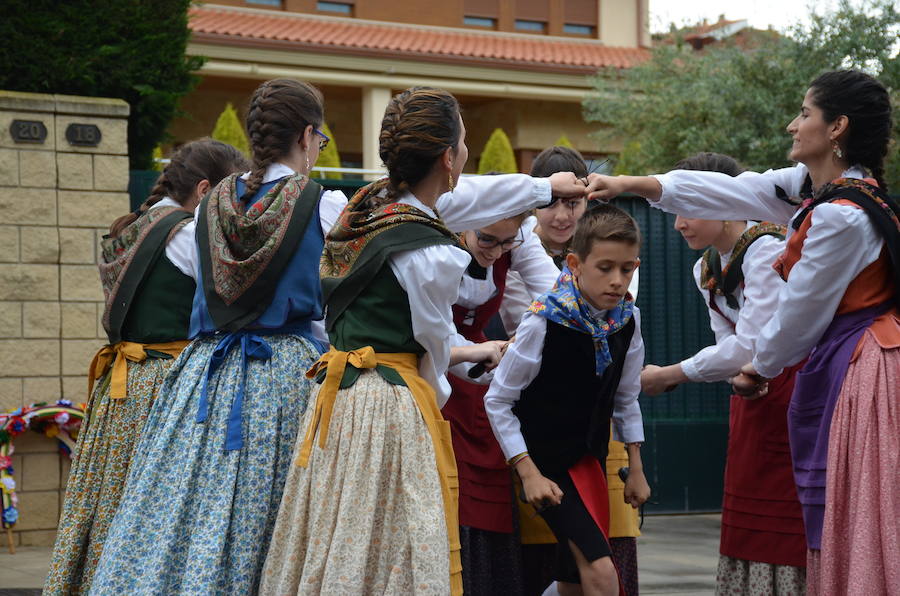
837, 150
450, 181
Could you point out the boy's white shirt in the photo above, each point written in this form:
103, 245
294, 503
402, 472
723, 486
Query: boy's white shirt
521, 365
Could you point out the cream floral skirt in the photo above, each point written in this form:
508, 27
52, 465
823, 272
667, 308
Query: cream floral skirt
366, 516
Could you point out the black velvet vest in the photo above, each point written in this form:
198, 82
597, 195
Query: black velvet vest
565, 411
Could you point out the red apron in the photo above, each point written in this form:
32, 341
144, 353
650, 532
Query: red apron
485, 485
761, 516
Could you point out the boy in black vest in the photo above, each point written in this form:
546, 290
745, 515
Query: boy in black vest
575, 365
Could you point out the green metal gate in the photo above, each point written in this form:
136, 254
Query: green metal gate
686, 430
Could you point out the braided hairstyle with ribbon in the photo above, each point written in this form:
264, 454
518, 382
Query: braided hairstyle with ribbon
279, 112
867, 105
203, 159
419, 125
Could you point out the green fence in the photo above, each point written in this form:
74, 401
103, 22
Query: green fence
686, 430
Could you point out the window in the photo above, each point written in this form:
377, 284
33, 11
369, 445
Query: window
574, 29
530, 26
265, 2
480, 22
339, 7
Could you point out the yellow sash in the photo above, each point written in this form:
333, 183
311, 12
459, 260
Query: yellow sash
406, 364
115, 357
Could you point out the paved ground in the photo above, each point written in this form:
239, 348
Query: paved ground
676, 555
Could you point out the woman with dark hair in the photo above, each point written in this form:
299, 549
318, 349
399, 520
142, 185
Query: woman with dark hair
148, 284
371, 506
203, 492
762, 547
840, 307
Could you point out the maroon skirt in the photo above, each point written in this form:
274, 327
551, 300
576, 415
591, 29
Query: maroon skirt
485, 483
761, 517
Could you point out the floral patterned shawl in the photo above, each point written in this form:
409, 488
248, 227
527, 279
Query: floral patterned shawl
369, 229
564, 305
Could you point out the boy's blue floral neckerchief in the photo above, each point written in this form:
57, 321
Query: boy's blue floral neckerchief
564, 305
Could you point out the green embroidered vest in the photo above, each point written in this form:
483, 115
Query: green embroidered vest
161, 310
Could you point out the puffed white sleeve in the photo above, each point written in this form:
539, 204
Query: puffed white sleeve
479, 201
518, 368
430, 276
840, 243
713, 195
182, 250
735, 346
534, 266
516, 300
330, 206
628, 424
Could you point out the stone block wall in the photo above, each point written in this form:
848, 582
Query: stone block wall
57, 200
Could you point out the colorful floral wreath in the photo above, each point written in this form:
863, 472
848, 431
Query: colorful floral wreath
60, 420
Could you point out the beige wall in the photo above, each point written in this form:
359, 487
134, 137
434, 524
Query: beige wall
56, 201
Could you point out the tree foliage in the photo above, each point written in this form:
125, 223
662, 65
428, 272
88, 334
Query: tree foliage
737, 101
128, 49
498, 155
229, 129
330, 158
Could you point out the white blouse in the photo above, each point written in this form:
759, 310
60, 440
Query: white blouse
529, 260
431, 276
535, 271
181, 247
737, 331
521, 364
840, 243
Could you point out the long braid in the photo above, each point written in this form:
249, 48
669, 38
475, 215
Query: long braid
419, 125
280, 110
258, 129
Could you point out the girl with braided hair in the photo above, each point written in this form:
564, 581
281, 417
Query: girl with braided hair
148, 284
840, 306
370, 507
204, 489
762, 547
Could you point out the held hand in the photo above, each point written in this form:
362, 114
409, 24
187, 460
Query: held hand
653, 380
566, 185
637, 491
489, 353
749, 384
541, 492
603, 188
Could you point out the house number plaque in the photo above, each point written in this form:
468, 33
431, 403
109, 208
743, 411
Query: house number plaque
28, 131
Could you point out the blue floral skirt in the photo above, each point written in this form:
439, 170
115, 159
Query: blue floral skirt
197, 518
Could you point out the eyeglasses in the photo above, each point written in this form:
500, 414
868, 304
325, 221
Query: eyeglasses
488, 241
323, 142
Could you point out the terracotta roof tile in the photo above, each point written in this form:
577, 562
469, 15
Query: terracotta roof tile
216, 24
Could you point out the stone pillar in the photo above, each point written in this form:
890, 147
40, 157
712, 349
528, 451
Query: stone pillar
63, 179
374, 101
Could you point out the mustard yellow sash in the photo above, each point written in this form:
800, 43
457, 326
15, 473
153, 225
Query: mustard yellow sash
406, 365
115, 357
